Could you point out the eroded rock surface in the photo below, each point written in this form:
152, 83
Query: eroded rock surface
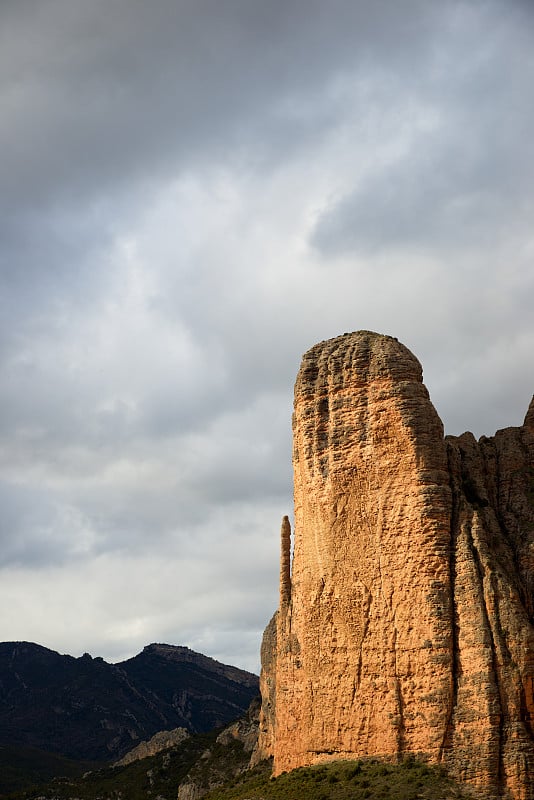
226, 759
160, 741
405, 625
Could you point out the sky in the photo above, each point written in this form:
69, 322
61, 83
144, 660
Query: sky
192, 194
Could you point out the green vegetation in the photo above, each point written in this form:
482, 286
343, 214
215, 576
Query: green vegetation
224, 763
158, 776
345, 780
22, 767
204, 762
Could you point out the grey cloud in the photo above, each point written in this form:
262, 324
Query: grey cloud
464, 180
445, 200
206, 591
37, 531
135, 492
166, 163
107, 100
101, 93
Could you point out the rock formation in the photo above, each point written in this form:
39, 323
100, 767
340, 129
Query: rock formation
225, 760
406, 623
162, 740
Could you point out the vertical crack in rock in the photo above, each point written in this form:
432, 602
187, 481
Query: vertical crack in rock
405, 619
399, 722
493, 677
446, 742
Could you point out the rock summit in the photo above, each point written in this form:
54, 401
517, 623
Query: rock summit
405, 623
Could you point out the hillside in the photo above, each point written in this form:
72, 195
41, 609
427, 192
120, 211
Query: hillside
162, 775
86, 709
215, 766
201, 692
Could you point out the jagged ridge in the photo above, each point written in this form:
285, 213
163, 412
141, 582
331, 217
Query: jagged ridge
85, 708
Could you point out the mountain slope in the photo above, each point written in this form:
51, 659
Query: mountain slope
202, 692
162, 775
86, 709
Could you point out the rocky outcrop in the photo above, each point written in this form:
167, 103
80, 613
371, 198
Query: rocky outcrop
406, 624
160, 741
227, 758
244, 730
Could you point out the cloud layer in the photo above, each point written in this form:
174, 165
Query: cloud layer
192, 195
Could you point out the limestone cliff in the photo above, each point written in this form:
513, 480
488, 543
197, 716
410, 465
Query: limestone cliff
406, 622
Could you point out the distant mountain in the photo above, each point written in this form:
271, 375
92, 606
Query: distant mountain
202, 692
86, 709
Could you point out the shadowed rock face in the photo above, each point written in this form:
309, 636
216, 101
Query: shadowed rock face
405, 625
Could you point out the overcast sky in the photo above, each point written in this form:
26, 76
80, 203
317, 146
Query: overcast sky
192, 194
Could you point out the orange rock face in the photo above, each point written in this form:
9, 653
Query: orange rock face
405, 625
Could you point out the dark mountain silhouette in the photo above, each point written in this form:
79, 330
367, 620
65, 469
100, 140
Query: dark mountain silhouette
87, 709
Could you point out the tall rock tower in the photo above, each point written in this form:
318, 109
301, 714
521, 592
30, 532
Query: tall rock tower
406, 622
